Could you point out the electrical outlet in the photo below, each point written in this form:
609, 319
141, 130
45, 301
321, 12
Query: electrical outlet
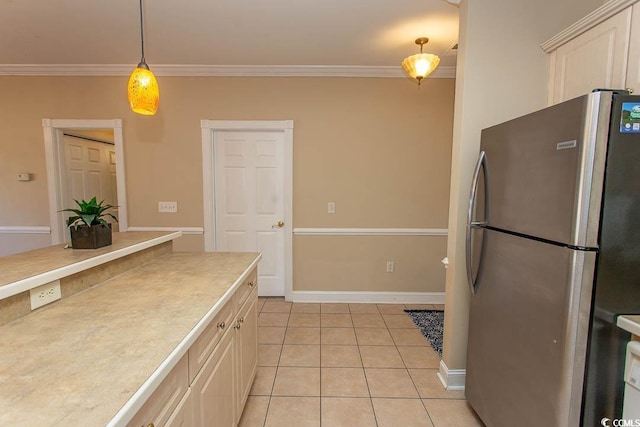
390, 266
171, 207
45, 294
331, 207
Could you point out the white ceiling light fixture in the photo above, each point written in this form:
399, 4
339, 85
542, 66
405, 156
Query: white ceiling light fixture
420, 65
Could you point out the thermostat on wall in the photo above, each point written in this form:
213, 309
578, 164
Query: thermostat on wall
24, 177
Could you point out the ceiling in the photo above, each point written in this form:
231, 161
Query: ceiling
49, 37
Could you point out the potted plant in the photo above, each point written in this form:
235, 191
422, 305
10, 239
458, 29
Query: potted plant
88, 228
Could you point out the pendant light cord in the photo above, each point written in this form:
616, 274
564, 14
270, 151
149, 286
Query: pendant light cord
143, 61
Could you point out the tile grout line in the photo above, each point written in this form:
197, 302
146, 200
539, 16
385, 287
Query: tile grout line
413, 381
364, 371
320, 362
266, 412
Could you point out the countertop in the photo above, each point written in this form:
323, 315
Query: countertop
23, 271
99, 354
630, 324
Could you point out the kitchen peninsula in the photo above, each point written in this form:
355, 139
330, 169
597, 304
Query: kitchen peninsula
141, 335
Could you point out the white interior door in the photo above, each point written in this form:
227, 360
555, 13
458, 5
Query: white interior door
249, 200
90, 170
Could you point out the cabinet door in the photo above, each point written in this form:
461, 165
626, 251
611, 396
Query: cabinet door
162, 404
183, 414
214, 389
595, 59
246, 349
633, 69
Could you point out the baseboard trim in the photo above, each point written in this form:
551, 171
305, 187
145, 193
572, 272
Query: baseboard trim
184, 230
19, 229
369, 297
451, 379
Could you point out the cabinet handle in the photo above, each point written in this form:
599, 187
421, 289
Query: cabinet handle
252, 283
241, 320
236, 326
222, 325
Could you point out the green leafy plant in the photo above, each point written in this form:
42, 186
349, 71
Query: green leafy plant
89, 213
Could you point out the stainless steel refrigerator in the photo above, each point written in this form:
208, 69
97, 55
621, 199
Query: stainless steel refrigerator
553, 257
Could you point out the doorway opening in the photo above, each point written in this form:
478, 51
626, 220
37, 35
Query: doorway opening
84, 158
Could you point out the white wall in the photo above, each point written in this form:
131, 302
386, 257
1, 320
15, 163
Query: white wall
502, 73
15, 241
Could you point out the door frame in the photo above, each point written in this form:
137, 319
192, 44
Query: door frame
209, 127
53, 130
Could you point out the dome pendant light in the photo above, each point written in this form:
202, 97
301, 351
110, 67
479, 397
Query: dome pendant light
420, 65
143, 91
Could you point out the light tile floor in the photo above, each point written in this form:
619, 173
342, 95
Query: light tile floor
349, 365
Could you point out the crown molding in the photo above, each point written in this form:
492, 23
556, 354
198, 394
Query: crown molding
218, 70
599, 15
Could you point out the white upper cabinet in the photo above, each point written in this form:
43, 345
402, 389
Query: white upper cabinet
633, 68
600, 51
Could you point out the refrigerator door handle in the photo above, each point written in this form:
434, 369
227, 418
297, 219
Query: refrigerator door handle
482, 163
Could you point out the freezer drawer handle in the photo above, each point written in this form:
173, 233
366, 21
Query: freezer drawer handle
482, 163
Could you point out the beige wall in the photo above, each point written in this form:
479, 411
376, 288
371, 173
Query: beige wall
502, 73
379, 148
357, 263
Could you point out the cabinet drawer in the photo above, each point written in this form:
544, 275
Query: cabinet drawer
245, 289
212, 334
161, 404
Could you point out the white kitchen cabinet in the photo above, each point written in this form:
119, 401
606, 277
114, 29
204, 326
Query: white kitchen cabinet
633, 68
214, 388
210, 385
222, 386
183, 415
246, 350
166, 400
597, 58
245, 289
200, 350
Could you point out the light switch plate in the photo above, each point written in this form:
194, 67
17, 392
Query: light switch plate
331, 207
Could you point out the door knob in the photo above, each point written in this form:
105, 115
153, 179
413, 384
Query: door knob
280, 224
